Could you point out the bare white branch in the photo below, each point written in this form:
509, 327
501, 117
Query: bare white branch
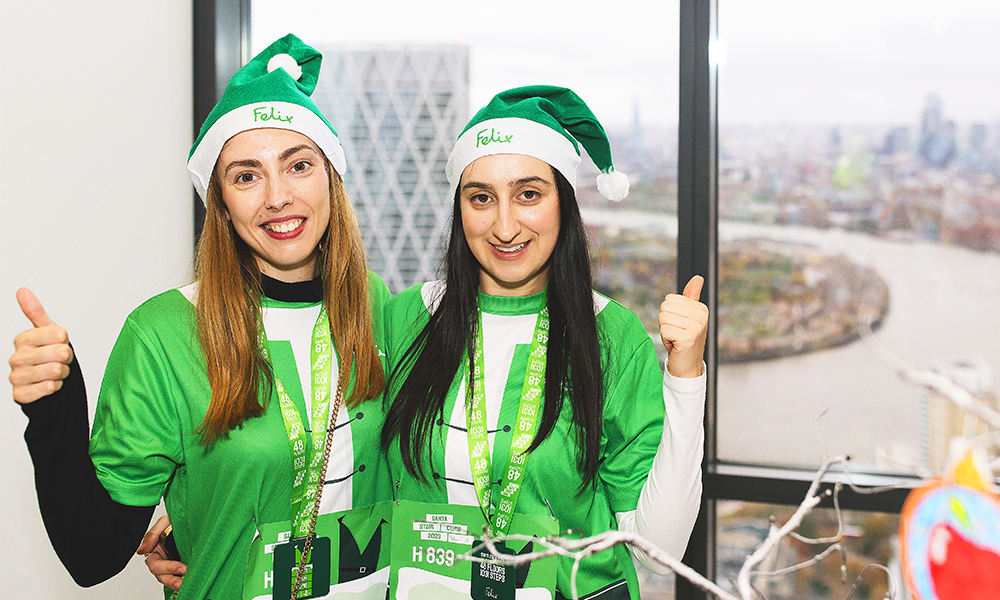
892, 581
840, 522
813, 497
935, 382
802, 565
581, 548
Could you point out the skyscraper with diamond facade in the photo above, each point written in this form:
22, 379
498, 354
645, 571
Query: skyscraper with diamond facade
398, 110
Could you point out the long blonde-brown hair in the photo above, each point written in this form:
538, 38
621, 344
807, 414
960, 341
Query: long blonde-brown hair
229, 305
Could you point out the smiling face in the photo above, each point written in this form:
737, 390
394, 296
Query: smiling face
277, 194
510, 216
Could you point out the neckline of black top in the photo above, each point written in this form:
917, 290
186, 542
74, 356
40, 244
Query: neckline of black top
300, 291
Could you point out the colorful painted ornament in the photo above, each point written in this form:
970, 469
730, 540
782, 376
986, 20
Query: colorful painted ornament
950, 535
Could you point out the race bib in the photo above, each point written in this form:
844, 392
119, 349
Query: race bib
429, 538
411, 550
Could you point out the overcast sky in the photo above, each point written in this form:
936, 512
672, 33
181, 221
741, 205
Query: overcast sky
786, 61
611, 60
859, 61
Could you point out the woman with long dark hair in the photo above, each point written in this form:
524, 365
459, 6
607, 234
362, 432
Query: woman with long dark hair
222, 396
518, 388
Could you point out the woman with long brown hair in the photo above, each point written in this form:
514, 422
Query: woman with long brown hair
222, 397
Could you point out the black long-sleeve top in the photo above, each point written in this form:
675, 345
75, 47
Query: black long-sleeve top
93, 535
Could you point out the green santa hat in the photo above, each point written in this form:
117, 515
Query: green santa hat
542, 121
272, 90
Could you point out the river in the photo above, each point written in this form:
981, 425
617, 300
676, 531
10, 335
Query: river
944, 306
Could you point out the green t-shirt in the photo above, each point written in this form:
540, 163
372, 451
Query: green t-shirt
633, 425
155, 394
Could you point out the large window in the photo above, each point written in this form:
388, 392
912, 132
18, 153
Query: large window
859, 151
858, 165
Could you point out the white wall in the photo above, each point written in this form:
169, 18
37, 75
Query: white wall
95, 125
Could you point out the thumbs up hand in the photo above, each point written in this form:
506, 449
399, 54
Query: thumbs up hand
683, 327
42, 354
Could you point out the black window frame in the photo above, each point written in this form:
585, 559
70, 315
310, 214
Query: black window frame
221, 44
220, 39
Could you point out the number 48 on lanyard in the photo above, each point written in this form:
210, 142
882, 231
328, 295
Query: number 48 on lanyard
306, 460
524, 432
308, 470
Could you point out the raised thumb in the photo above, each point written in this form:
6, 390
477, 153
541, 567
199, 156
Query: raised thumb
33, 309
693, 288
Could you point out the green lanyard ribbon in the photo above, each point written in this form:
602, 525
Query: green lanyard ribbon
524, 432
305, 478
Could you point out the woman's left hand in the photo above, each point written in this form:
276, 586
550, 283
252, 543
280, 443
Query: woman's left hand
168, 572
683, 327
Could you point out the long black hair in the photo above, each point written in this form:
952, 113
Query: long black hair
420, 381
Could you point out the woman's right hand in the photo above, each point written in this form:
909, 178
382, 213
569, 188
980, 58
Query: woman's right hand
168, 572
683, 329
42, 354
